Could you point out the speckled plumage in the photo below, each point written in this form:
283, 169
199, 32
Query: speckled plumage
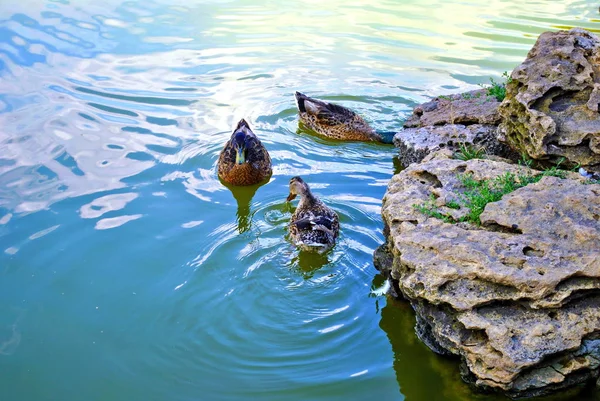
313, 226
333, 121
256, 167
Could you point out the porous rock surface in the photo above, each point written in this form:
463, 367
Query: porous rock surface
416, 143
551, 109
474, 107
449, 122
517, 298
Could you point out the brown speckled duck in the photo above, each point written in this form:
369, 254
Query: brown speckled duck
313, 226
337, 122
244, 160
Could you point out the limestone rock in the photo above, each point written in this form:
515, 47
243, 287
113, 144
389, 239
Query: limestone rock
416, 143
517, 298
474, 107
551, 109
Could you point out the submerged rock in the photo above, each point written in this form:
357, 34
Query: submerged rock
516, 296
552, 101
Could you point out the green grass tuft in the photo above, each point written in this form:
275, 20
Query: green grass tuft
467, 151
429, 208
525, 160
453, 204
477, 194
498, 89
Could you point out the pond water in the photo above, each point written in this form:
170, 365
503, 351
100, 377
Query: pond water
129, 272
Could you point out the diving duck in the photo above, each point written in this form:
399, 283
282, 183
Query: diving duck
313, 226
244, 160
337, 122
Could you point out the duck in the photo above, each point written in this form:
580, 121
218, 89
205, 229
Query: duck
313, 226
337, 122
244, 160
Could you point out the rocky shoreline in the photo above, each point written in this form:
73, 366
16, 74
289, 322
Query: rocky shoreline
500, 260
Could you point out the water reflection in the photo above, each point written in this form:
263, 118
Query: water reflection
424, 375
421, 374
243, 196
398, 167
308, 263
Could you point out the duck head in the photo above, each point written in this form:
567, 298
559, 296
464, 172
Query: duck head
242, 135
297, 187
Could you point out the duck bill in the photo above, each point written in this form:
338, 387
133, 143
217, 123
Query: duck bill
290, 197
239, 156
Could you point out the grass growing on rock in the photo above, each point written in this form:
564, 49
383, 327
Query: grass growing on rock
452, 204
467, 151
478, 194
498, 89
429, 208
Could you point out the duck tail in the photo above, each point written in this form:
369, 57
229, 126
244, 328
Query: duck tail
300, 99
386, 136
308, 105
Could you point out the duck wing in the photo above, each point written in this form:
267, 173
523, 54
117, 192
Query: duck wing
333, 114
226, 157
326, 222
314, 223
257, 154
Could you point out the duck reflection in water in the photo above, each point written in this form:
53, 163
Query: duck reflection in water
308, 263
243, 196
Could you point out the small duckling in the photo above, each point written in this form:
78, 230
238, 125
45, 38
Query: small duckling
313, 226
337, 122
244, 160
